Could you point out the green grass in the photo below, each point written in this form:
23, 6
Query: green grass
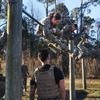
93, 89
94, 93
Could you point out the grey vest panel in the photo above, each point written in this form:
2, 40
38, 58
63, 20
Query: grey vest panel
46, 85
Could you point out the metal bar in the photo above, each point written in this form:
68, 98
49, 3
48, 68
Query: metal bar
31, 17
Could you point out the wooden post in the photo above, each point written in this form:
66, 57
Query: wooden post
83, 74
71, 72
14, 50
46, 8
55, 4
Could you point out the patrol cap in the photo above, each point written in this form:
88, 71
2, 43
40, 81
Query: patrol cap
57, 16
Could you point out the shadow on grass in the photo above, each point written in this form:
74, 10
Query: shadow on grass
98, 97
80, 94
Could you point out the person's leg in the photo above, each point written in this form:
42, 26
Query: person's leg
25, 83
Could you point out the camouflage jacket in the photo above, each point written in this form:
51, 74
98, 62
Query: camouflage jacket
47, 32
47, 27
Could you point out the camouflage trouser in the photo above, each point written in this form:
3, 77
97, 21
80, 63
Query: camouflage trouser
25, 82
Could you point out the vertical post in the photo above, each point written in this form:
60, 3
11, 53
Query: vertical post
14, 50
55, 5
46, 7
83, 74
71, 71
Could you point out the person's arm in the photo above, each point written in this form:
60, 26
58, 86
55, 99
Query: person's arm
59, 78
27, 73
52, 38
62, 89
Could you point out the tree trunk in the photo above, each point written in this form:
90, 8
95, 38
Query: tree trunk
46, 7
14, 50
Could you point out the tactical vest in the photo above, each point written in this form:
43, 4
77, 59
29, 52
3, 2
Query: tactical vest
46, 85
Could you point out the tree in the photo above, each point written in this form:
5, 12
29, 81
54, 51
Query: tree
78, 12
88, 21
14, 50
47, 2
3, 9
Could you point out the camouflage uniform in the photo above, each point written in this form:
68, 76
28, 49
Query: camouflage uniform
25, 73
47, 29
47, 32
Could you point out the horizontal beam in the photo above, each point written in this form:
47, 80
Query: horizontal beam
31, 17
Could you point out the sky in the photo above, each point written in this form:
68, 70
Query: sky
39, 8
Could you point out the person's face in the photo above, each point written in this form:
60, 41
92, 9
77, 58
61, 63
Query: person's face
55, 22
